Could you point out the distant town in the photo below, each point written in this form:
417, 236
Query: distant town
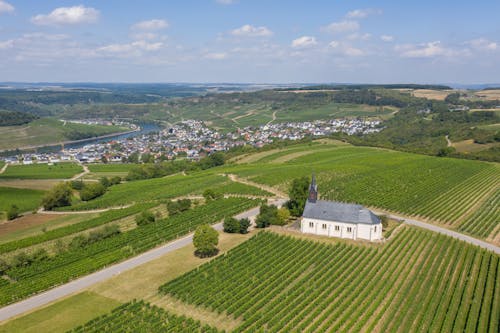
192, 139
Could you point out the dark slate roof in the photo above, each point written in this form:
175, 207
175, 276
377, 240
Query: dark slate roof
340, 212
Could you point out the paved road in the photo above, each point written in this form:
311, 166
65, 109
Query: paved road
106, 273
445, 231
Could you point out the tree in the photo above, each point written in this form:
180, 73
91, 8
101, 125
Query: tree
205, 241
181, 205
268, 215
283, 216
105, 181
244, 225
12, 212
231, 225
384, 220
133, 158
58, 196
146, 217
298, 195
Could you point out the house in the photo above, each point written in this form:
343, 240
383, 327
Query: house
337, 219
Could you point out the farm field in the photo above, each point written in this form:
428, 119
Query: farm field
444, 191
73, 262
105, 168
166, 188
24, 199
42, 171
47, 131
455, 285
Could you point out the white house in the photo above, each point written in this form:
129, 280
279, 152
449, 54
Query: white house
336, 219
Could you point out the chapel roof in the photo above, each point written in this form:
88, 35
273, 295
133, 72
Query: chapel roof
339, 212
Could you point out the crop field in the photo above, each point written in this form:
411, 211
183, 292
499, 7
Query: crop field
24, 199
418, 281
42, 171
49, 131
440, 189
167, 188
75, 262
139, 316
484, 221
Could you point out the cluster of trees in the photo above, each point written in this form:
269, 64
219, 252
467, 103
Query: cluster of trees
210, 195
155, 170
146, 217
178, 206
59, 196
81, 241
205, 241
89, 191
271, 215
12, 118
23, 259
234, 226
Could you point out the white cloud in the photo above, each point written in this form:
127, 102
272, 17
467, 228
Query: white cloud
342, 26
357, 36
6, 44
345, 49
150, 25
304, 41
387, 38
130, 49
482, 44
225, 2
216, 56
6, 7
67, 15
251, 31
426, 50
362, 13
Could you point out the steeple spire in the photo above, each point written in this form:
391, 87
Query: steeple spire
313, 190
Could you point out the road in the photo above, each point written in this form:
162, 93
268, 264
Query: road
106, 273
445, 231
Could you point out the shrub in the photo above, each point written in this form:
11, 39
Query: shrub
210, 194
268, 215
146, 217
283, 215
92, 191
244, 225
12, 212
231, 225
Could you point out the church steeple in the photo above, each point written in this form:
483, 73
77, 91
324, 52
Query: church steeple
313, 190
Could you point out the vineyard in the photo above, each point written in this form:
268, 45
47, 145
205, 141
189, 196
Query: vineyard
419, 281
484, 220
166, 188
447, 191
72, 263
139, 316
24, 199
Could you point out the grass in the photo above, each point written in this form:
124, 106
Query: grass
439, 95
24, 199
469, 146
42, 171
63, 315
47, 131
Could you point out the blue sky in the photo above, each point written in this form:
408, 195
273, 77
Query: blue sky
257, 41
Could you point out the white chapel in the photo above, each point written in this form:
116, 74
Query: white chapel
336, 219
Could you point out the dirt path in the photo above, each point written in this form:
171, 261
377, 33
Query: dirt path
43, 211
2, 170
274, 118
449, 143
85, 171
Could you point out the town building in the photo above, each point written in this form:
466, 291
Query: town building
337, 219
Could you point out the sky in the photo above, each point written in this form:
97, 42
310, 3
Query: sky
251, 41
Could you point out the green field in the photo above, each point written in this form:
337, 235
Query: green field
74, 262
24, 199
50, 131
419, 281
71, 312
42, 171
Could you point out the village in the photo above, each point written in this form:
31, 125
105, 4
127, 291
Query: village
192, 139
